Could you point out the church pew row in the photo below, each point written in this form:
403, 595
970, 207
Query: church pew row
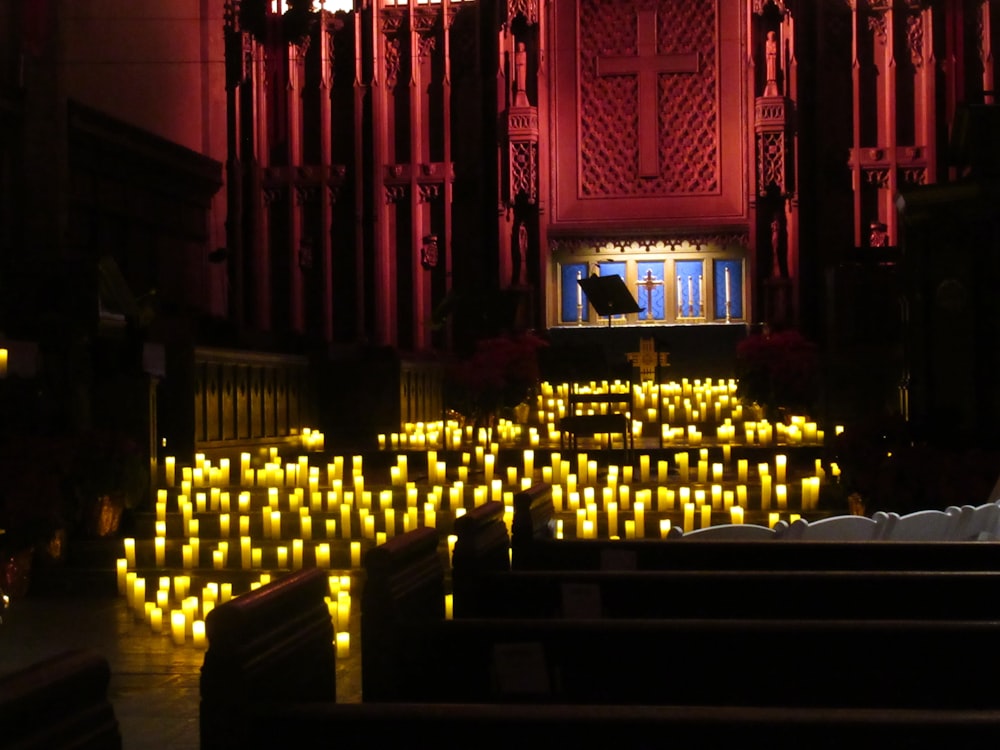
284, 714
412, 653
456, 726
59, 703
484, 586
271, 644
534, 547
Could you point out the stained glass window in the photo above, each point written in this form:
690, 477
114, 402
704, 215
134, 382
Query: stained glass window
728, 289
574, 306
690, 283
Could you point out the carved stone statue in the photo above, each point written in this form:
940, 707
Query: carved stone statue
520, 76
776, 232
771, 64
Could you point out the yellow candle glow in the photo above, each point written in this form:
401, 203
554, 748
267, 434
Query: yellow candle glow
780, 466
355, 554
449, 602
121, 565
736, 514
706, 516
282, 556
170, 470
156, 619
130, 551
640, 520
343, 645
323, 556
198, 634
159, 545
781, 495
664, 528
178, 625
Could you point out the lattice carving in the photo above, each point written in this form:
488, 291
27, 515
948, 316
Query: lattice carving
524, 170
427, 192
426, 46
396, 193
877, 177
660, 244
913, 175
771, 162
527, 9
688, 127
915, 39
392, 61
759, 6
877, 25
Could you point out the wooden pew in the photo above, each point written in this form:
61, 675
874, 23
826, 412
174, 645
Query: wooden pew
847, 663
59, 703
534, 547
484, 586
457, 726
272, 644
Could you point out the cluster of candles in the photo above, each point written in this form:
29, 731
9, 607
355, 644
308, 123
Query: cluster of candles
272, 515
682, 411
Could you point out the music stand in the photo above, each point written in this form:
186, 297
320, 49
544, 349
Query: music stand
609, 295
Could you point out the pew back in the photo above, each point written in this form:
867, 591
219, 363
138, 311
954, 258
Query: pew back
275, 643
59, 703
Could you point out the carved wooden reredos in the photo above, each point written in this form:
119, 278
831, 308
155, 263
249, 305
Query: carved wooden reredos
411, 151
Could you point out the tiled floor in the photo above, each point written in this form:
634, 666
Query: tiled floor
154, 684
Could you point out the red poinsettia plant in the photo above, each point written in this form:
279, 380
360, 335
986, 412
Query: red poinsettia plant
778, 368
501, 372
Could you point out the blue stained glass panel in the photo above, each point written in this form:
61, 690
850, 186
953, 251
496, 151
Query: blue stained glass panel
735, 288
613, 269
572, 294
650, 292
690, 283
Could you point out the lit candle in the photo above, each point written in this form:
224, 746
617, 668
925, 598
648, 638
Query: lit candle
449, 606
640, 520
781, 494
323, 556
688, 516
765, 491
156, 619
3, 363
130, 551
355, 554
664, 527
343, 645
170, 470
736, 514
178, 624
198, 634
159, 544
282, 556
780, 466
122, 567
706, 516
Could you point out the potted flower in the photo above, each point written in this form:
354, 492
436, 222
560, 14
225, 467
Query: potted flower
778, 369
499, 375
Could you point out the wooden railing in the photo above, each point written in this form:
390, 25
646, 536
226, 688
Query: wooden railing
244, 397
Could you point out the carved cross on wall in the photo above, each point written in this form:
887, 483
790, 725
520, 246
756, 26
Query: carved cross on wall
647, 65
647, 359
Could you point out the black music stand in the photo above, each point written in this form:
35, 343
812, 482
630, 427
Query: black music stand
609, 295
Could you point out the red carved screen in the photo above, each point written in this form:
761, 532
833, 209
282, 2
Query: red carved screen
648, 116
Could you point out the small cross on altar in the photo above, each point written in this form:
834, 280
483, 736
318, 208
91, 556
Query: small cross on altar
649, 284
647, 359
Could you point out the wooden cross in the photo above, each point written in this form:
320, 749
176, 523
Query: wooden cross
647, 66
649, 283
647, 359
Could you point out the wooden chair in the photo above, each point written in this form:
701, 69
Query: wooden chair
613, 416
840, 528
